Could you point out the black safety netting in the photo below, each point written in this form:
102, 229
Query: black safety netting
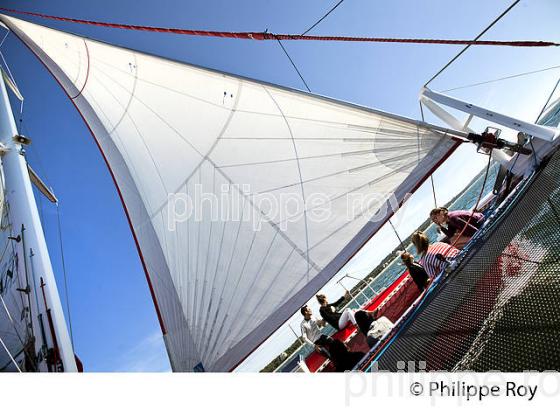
499, 309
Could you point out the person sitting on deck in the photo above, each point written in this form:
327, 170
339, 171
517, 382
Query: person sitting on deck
342, 358
311, 328
432, 256
328, 312
458, 226
416, 271
372, 326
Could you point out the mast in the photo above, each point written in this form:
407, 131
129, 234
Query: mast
24, 214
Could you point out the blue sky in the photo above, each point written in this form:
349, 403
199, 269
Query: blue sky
113, 319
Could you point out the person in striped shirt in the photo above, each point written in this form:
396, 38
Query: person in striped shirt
432, 256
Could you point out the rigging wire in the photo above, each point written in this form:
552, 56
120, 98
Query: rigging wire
66, 293
433, 190
4, 38
545, 106
506, 11
397, 234
431, 175
322, 18
501, 79
10, 355
418, 132
303, 34
475, 207
8, 69
534, 154
253, 35
12, 78
294, 65
4, 251
9, 315
11, 319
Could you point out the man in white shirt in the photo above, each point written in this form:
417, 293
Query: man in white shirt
311, 328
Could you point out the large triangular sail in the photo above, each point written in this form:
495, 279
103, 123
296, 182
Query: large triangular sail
244, 198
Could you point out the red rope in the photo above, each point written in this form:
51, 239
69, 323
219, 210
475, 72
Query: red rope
474, 208
270, 36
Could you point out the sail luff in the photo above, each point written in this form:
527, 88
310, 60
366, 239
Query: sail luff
166, 128
79, 104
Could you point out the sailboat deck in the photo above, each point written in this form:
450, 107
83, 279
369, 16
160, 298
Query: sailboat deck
392, 303
501, 295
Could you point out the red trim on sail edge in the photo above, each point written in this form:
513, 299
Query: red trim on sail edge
150, 286
418, 184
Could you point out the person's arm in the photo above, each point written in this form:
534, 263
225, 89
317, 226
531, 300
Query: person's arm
322, 312
422, 262
466, 225
422, 272
304, 336
449, 231
338, 302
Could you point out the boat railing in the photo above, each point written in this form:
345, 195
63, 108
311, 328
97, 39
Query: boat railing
361, 298
370, 357
366, 293
377, 350
494, 218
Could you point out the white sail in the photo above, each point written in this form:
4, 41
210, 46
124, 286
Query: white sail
258, 163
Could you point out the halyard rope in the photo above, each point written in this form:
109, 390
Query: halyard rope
271, 36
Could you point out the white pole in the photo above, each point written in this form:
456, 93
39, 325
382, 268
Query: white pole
450, 120
23, 211
539, 131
